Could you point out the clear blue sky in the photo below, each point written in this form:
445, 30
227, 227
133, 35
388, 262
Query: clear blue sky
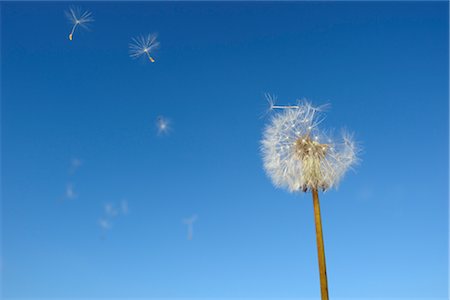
383, 67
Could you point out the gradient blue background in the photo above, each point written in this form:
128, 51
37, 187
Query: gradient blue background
383, 67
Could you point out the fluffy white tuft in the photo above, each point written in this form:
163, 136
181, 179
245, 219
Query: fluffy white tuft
76, 15
163, 125
298, 156
143, 45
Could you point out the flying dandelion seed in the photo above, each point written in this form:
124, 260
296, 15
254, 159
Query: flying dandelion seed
75, 163
190, 224
70, 191
110, 210
300, 157
144, 46
124, 207
78, 18
104, 224
163, 125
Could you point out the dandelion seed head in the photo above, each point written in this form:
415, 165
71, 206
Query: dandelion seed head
303, 160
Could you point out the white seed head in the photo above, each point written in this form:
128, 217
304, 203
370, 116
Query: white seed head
308, 163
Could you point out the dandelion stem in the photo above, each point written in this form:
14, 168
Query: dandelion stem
320, 246
73, 30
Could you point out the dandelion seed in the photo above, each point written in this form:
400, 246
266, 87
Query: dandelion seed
124, 207
75, 163
190, 224
163, 125
110, 210
70, 192
144, 46
78, 18
310, 164
271, 100
104, 224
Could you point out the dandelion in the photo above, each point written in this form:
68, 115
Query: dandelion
162, 125
299, 157
190, 224
77, 17
144, 46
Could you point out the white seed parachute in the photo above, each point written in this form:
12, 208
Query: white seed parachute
144, 46
78, 18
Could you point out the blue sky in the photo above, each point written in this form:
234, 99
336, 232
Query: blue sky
383, 68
